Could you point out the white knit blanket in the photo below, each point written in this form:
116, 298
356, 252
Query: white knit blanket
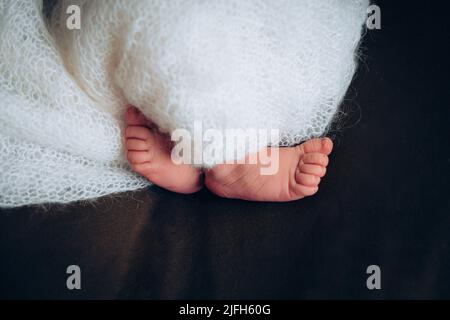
283, 64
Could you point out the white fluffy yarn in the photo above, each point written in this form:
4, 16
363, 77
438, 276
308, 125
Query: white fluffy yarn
265, 64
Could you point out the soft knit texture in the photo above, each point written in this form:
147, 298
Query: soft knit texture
228, 64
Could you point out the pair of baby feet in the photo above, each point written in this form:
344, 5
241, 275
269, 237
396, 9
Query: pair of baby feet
300, 168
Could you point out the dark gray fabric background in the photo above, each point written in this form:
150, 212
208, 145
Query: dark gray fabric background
385, 201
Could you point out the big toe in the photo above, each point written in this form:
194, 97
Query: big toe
320, 145
133, 117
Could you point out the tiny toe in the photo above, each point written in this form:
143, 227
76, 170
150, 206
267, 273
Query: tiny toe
136, 145
327, 146
306, 191
308, 180
137, 132
317, 170
137, 157
316, 159
133, 117
321, 145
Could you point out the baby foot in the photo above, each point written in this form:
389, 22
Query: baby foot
148, 152
300, 171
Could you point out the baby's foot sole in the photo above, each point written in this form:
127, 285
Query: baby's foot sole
148, 153
299, 175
